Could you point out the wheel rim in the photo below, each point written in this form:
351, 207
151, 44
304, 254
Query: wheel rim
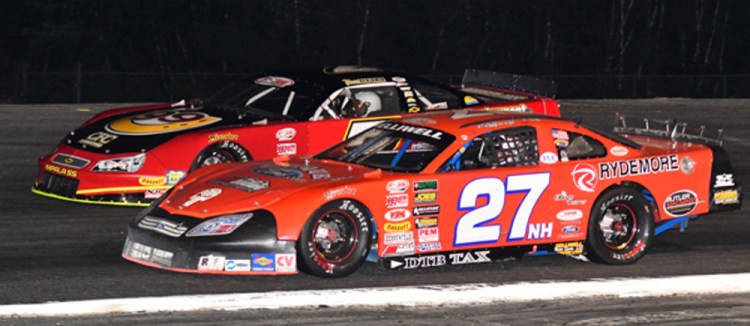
618, 226
217, 157
335, 236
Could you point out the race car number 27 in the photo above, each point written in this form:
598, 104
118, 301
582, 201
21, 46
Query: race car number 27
472, 227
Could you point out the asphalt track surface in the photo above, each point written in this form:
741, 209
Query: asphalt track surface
52, 250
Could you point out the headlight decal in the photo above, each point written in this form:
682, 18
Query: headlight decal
121, 164
221, 225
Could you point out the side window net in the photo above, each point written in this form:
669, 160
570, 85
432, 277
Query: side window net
506, 148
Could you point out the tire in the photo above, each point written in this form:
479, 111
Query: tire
221, 152
621, 227
345, 244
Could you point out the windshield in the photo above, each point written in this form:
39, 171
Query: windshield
392, 146
269, 96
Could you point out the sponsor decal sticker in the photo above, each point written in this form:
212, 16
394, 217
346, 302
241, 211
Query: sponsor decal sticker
68, 172
397, 215
584, 177
274, 81
286, 149
428, 234
401, 249
154, 193
397, 227
429, 246
469, 257
152, 181
428, 185
340, 192
97, 139
435, 260
680, 202
237, 265
569, 248
367, 80
263, 262
222, 137
286, 263
420, 131
174, 176
569, 215
398, 238
724, 180
425, 197
726, 197
425, 222
426, 210
211, 263
286, 134
570, 199
548, 158
637, 167
160, 122
618, 151
393, 201
397, 186
162, 257
202, 196
140, 251
568, 229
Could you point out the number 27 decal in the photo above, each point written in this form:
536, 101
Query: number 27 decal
472, 228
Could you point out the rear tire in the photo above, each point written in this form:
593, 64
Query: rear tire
335, 240
221, 152
621, 227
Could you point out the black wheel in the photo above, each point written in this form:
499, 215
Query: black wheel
621, 227
335, 239
221, 152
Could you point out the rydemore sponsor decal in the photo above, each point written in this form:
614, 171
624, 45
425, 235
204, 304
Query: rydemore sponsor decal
421, 131
640, 166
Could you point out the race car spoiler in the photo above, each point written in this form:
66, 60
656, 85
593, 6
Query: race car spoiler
520, 83
668, 129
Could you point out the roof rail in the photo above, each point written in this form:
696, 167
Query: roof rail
668, 129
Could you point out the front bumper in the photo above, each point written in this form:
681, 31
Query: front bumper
252, 249
78, 183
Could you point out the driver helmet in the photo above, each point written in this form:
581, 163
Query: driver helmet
369, 101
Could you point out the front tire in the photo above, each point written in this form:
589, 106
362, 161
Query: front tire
621, 227
218, 153
335, 239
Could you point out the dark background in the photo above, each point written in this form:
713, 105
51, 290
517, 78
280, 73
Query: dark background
106, 50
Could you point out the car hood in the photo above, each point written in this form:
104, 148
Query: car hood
238, 187
143, 130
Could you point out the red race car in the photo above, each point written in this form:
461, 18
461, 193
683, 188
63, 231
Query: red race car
130, 156
447, 188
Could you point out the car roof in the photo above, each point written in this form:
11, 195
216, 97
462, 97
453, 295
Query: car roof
477, 120
340, 76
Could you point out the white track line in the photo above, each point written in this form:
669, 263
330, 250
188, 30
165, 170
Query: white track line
395, 296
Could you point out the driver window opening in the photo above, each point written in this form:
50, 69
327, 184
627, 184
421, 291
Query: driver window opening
574, 146
504, 148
